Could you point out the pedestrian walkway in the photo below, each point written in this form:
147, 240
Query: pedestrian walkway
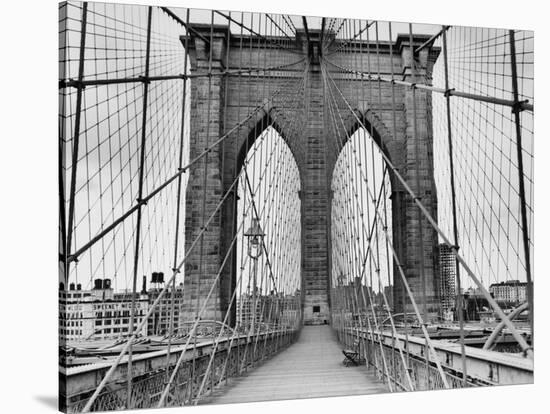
312, 367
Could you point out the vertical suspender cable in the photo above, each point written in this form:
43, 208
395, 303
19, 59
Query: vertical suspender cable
139, 211
178, 200
76, 136
524, 226
453, 201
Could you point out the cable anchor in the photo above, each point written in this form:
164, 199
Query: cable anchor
448, 92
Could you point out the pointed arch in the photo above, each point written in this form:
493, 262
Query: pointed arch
274, 143
376, 128
268, 117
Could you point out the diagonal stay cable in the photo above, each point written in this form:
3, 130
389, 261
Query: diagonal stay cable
253, 32
521, 105
517, 336
331, 106
211, 360
291, 122
428, 339
205, 302
191, 334
158, 299
163, 291
350, 40
264, 106
175, 272
278, 27
377, 263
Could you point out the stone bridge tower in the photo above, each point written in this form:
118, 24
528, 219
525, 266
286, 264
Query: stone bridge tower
392, 122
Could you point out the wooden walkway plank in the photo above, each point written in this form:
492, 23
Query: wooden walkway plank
312, 367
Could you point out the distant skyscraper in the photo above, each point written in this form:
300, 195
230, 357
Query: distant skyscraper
447, 277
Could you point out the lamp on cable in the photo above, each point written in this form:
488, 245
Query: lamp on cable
255, 236
341, 279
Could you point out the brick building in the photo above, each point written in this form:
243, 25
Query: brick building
98, 313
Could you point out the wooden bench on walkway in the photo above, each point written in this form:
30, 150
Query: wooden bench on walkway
353, 355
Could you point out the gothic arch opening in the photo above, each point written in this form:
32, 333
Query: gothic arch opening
265, 274
361, 232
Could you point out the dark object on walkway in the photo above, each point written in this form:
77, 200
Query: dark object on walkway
353, 355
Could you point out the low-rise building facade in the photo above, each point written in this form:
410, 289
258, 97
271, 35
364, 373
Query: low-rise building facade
98, 313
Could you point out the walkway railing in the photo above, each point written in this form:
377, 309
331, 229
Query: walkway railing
231, 358
483, 367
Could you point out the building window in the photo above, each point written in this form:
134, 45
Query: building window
316, 309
